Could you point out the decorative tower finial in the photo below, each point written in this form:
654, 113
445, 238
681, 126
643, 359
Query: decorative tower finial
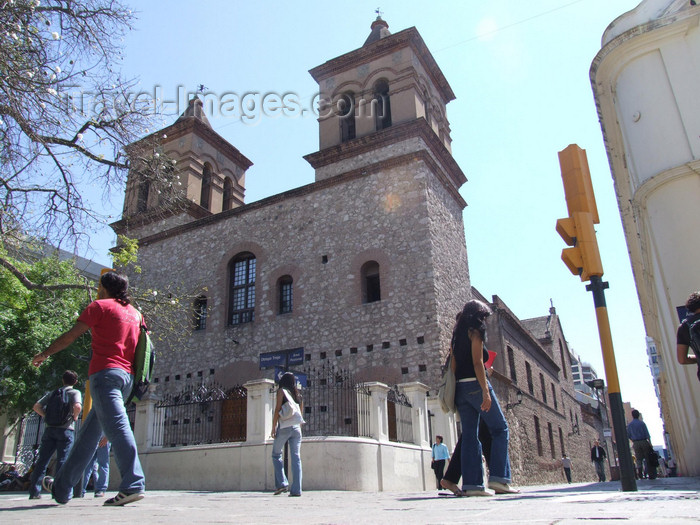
379, 13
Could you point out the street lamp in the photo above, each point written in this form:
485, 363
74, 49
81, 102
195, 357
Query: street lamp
519, 397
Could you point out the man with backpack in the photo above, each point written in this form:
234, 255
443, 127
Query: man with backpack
688, 334
60, 409
115, 326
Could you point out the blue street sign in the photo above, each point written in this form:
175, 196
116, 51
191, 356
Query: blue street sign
295, 356
270, 359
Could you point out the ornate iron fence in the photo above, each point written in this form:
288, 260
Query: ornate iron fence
399, 415
201, 415
334, 405
31, 428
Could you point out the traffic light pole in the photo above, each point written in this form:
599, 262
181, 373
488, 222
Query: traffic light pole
627, 478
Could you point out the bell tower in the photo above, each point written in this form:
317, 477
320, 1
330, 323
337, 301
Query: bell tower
389, 90
385, 137
181, 173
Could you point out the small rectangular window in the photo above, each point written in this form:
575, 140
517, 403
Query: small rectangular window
285, 294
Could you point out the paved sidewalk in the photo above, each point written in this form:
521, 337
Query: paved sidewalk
662, 501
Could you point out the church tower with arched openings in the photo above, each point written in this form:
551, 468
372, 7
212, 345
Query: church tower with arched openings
181, 173
383, 116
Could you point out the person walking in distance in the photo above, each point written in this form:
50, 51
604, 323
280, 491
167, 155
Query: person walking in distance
566, 465
598, 456
59, 432
638, 433
440, 455
115, 327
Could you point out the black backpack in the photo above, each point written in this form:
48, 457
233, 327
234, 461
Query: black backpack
693, 323
59, 410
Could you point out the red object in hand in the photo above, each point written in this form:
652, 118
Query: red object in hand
492, 357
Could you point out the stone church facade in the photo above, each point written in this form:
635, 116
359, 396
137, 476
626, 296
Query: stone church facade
364, 268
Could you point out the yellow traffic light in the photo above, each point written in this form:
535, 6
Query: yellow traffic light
587, 243
577, 182
583, 259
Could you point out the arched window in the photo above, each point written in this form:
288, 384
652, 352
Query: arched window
381, 105
346, 114
142, 198
228, 194
242, 288
284, 287
371, 290
206, 186
200, 313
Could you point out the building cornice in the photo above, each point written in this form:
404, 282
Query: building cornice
193, 125
365, 171
415, 128
136, 221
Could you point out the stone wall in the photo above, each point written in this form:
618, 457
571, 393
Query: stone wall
321, 235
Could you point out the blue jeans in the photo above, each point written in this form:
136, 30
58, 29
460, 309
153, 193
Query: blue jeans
99, 464
468, 400
57, 440
108, 389
293, 435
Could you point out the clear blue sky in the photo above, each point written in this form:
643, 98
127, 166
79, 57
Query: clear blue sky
520, 74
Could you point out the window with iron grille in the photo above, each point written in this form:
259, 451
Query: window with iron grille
242, 289
285, 294
200, 313
528, 372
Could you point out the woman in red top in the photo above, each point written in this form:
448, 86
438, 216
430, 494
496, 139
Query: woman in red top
114, 325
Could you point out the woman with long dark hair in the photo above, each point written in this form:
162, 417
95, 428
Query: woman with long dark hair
289, 431
115, 326
475, 400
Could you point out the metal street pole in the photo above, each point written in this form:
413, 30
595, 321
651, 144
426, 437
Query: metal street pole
627, 479
583, 259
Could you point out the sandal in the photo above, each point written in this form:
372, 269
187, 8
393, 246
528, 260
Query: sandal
452, 487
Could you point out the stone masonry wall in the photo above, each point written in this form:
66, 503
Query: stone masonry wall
321, 238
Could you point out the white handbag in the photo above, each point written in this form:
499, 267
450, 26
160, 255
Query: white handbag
290, 413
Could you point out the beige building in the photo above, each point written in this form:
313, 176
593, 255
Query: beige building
645, 81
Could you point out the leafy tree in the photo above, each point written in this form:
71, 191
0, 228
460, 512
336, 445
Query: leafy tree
29, 321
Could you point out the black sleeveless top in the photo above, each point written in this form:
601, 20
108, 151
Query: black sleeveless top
462, 350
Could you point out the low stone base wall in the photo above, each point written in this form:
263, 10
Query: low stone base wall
329, 463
